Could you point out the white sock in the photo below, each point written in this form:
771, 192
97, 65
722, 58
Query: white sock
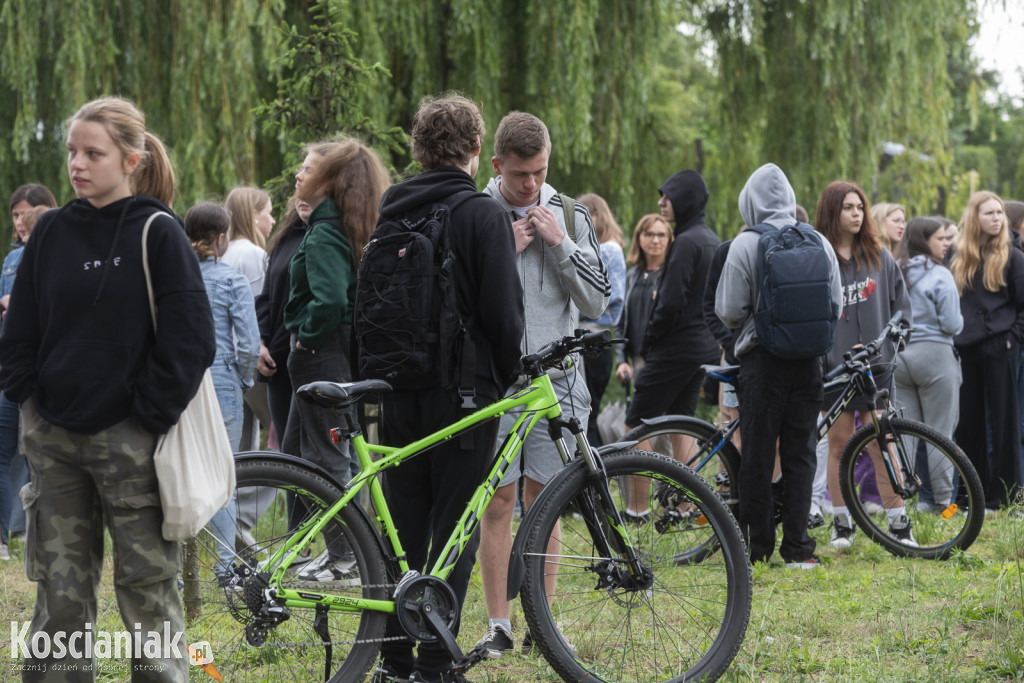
504, 623
893, 513
841, 510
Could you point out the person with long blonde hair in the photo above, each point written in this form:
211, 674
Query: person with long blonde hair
252, 220
99, 382
891, 221
989, 276
343, 180
598, 369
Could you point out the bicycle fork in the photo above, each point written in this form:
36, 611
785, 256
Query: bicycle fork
902, 476
596, 501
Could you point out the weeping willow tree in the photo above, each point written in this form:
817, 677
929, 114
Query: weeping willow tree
195, 67
586, 67
818, 87
199, 69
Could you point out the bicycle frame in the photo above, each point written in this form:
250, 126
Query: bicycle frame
539, 401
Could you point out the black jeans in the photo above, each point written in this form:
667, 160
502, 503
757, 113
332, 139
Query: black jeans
779, 402
427, 494
598, 371
989, 390
309, 432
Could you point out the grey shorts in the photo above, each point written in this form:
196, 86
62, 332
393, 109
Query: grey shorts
539, 454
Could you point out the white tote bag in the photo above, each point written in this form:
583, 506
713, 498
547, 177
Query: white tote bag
195, 468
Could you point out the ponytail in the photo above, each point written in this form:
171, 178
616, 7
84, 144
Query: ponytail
154, 176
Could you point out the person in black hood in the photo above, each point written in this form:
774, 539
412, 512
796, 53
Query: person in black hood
428, 494
98, 384
677, 341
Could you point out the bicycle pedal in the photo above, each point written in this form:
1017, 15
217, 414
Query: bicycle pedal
476, 654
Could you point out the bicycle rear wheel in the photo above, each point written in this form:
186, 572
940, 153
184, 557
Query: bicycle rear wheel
310, 644
702, 447
682, 621
942, 498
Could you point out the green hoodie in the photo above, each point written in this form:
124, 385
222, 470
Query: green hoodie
323, 279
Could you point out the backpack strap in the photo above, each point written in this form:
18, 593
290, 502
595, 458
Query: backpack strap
467, 364
569, 209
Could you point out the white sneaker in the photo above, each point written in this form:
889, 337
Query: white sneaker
842, 532
871, 507
329, 572
5, 553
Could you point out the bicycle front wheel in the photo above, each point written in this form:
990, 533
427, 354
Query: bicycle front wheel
251, 636
593, 620
933, 484
703, 448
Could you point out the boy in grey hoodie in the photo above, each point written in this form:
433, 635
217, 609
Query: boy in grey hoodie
562, 276
779, 399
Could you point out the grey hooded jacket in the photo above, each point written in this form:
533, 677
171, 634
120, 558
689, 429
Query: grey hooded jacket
766, 198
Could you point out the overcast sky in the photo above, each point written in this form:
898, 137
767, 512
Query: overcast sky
1000, 44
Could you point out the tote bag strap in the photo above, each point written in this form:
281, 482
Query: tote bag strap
145, 263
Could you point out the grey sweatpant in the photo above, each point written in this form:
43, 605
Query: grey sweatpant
928, 381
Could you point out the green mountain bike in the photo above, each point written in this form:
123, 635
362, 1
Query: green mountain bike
623, 607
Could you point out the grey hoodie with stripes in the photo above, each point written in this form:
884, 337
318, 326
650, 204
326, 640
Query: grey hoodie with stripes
562, 281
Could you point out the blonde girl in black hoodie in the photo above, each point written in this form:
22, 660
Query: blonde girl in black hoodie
97, 386
989, 274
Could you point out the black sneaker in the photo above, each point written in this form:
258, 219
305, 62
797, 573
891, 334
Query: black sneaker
230, 582
527, 643
842, 532
450, 676
385, 674
497, 641
899, 528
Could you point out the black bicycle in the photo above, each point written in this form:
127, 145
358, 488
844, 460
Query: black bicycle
915, 468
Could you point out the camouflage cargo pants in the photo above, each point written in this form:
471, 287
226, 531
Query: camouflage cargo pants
81, 483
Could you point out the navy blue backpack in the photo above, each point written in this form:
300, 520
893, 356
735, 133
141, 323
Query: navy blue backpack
795, 315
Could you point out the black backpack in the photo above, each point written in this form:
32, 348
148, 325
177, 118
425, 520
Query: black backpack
795, 315
406, 319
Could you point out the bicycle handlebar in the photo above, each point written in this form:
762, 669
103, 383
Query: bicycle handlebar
551, 354
892, 330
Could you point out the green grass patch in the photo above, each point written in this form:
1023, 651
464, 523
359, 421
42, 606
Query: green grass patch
865, 615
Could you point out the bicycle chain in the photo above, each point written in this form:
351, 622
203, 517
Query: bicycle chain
362, 641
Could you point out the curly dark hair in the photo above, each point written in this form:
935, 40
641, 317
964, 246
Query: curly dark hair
446, 131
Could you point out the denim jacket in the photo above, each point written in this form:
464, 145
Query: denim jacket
234, 321
10, 269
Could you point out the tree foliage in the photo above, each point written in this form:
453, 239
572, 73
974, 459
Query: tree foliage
818, 87
195, 67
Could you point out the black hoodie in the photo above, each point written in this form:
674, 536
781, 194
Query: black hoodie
676, 330
489, 292
78, 337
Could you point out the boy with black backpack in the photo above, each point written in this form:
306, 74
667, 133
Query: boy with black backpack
462, 353
780, 289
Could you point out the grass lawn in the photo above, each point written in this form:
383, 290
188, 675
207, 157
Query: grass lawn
865, 615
